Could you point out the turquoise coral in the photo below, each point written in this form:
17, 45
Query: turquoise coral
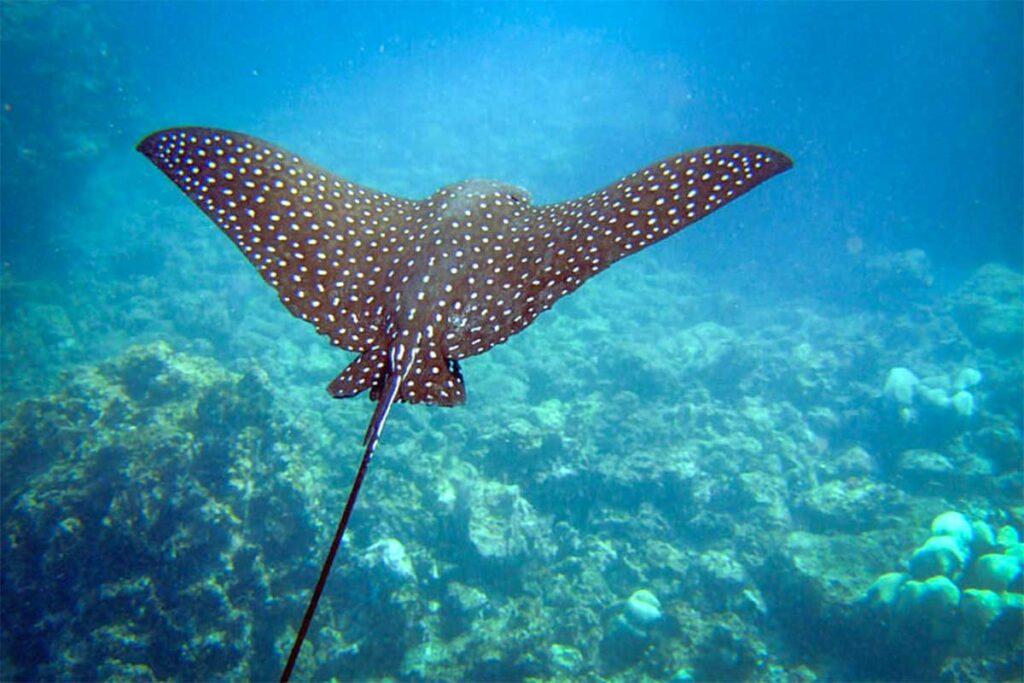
956, 526
995, 572
931, 604
963, 583
939, 556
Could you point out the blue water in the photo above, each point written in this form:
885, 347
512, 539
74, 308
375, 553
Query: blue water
697, 422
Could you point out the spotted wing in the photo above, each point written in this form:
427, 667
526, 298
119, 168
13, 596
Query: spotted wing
595, 231
546, 252
312, 235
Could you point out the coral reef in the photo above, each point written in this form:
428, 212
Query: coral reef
673, 476
702, 501
150, 525
960, 597
990, 308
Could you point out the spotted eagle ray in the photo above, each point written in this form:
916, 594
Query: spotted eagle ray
414, 286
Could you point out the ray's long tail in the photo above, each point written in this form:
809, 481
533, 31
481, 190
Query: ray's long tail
380, 416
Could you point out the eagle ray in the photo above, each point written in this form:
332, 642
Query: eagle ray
415, 286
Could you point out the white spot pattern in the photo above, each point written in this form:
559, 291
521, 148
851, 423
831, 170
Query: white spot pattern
415, 286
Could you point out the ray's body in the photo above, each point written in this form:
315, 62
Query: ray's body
415, 286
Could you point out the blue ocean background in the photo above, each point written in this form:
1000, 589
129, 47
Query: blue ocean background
783, 445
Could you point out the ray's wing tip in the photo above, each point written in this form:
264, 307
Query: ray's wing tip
778, 160
784, 160
149, 144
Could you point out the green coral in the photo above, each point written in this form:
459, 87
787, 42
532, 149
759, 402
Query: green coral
962, 586
995, 571
939, 556
931, 605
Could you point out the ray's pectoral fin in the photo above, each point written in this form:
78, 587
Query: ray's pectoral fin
660, 200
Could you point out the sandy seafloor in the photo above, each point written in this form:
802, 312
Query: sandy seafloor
785, 445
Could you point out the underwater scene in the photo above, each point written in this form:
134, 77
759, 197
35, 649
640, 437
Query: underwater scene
783, 445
